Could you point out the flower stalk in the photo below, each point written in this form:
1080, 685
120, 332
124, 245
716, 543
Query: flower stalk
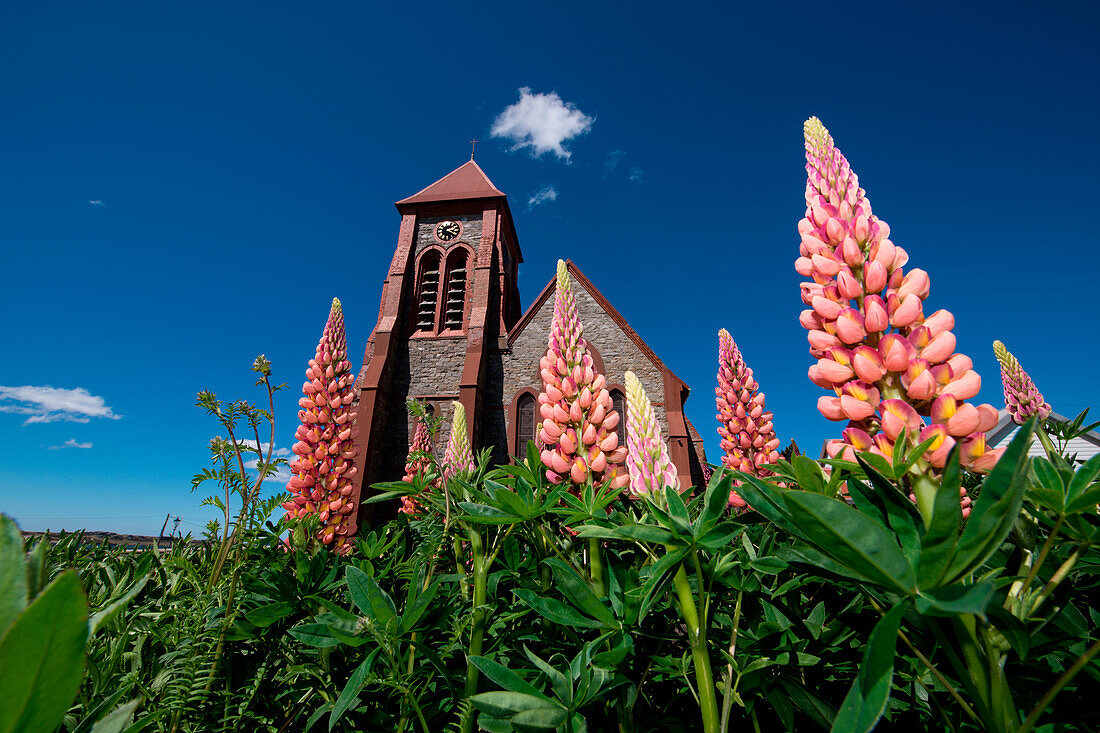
893, 371
321, 483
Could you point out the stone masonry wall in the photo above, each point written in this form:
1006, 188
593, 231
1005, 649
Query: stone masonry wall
619, 354
471, 231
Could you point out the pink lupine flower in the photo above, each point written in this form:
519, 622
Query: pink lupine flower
1022, 398
579, 421
895, 372
647, 460
322, 473
458, 458
748, 435
418, 462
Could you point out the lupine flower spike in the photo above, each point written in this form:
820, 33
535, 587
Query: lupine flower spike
647, 462
1022, 398
418, 462
458, 458
580, 443
322, 473
891, 369
748, 435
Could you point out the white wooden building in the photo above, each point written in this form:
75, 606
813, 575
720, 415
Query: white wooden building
1085, 446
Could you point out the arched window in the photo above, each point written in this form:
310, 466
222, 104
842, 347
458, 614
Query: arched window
619, 403
525, 422
427, 292
454, 307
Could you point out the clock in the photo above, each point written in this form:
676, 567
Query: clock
445, 231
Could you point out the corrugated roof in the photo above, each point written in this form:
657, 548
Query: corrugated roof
467, 181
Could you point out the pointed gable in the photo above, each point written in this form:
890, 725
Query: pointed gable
467, 181
578, 277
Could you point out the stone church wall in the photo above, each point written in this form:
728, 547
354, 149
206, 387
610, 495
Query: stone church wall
619, 354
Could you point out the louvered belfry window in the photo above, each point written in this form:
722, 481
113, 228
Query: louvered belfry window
525, 422
454, 307
428, 293
619, 403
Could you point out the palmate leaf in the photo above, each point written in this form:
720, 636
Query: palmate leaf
852, 539
368, 597
556, 611
579, 593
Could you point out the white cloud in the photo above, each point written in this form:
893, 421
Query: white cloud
277, 453
96, 203
636, 174
541, 122
542, 196
612, 162
70, 443
53, 404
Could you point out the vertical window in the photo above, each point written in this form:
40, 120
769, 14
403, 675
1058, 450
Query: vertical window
428, 292
619, 402
455, 303
525, 422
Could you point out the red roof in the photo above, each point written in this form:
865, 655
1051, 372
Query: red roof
467, 181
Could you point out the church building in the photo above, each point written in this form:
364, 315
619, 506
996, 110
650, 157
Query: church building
450, 328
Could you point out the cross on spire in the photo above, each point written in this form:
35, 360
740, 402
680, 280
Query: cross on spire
473, 146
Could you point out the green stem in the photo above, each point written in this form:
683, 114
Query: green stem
1064, 680
697, 635
477, 632
1058, 577
727, 692
595, 564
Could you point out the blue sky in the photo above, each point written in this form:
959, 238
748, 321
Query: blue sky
184, 187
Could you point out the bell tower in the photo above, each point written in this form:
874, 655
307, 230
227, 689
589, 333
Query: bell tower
448, 302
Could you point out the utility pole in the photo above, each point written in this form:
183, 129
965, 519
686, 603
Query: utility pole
166, 516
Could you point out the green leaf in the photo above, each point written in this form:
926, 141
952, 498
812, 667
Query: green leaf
579, 593
941, 538
808, 474
269, 613
852, 539
42, 658
677, 512
556, 611
954, 600
485, 514
1083, 478
544, 718
1084, 501
1047, 474
318, 635
351, 690
996, 509
118, 719
715, 498
414, 610
720, 536
504, 704
644, 533
867, 699
13, 573
104, 615
368, 597
505, 677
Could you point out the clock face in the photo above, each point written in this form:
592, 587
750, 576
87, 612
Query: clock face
447, 230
